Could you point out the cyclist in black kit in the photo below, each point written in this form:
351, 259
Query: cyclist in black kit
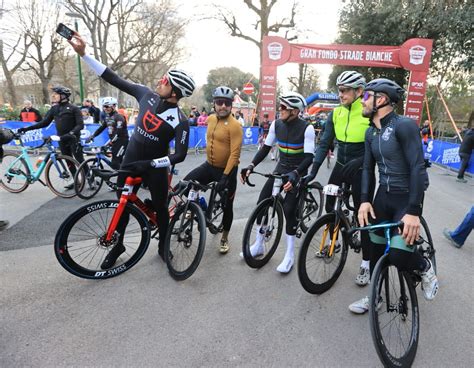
116, 126
393, 143
159, 121
69, 123
295, 139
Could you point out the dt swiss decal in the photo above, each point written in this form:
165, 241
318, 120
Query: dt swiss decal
151, 122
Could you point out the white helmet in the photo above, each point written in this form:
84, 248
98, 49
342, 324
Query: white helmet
181, 81
293, 100
351, 78
109, 101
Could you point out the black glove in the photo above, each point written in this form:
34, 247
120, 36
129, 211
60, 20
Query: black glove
350, 169
22, 130
90, 140
243, 172
292, 177
138, 167
308, 178
222, 184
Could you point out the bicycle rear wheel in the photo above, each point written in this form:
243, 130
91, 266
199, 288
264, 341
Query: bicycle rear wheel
318, 268
185, 241
80, 245
215, 212
265, 221
310, 206
86, 183
394, 315
14, 173
59, 174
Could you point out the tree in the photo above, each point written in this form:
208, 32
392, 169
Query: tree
231, 77
307, 81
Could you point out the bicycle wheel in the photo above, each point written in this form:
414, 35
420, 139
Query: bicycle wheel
265, 221
59, 174
318, 268
86, 183
310, 206
425, 246
80, 245
215, 213
185, 241
394, 315
14, 173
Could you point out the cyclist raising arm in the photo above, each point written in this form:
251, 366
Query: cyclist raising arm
159, 121
295, 139
393, 143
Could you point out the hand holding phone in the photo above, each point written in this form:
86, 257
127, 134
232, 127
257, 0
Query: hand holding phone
64, 31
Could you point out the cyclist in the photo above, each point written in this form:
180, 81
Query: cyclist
295, 139
116, 128
265, 128
224, 141
347, 125
393, 143
159, 121
69, 123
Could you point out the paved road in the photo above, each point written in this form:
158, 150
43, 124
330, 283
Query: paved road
226, 315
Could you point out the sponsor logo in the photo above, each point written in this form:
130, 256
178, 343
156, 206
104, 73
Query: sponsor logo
418, 85
147, 135
413, 109
415, 94
268, 94
268, 77
269, 86
386, 134
117, 270
183, 138
430, 146
151, 122
451, 156
248, 133
100, 206
417, 54
414, 102
151, 101
274, 50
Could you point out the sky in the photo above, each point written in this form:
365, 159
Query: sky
210, 46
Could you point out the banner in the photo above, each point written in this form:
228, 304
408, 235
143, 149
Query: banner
446, 154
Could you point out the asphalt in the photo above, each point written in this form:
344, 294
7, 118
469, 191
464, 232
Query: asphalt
226, 314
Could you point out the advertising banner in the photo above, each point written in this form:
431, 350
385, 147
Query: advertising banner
446, 154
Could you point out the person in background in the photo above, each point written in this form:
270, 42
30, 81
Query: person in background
123, 111
195, 112
240, 117
192, 120
458, 237
465, 152
93, 111
201, 121
86, 117
29, 114
425, 132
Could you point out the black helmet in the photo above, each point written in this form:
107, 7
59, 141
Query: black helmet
62, 91
390, 88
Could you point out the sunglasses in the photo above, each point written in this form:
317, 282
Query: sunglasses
367, 95
283, 107
223, 101
164, 80
106, 106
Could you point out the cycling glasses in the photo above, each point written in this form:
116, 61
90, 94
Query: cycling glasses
106, 106
284, 107
223, 101
367, 95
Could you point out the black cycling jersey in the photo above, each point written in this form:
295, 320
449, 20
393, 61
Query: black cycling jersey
397, 150
157, 124
67, 117
116, 126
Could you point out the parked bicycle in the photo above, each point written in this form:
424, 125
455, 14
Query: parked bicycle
393, 305
267, 217
17, 171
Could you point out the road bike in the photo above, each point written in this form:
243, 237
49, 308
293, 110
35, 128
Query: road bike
393, 304
17, 171
267, 217
87, 236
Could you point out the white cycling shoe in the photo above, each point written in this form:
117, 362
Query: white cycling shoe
257, 249
286, 265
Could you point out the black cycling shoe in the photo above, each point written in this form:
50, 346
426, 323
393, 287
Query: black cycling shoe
111, 258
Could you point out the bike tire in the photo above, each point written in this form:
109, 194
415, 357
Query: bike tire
19, 183
79, 244
266, 211
59, 176
86, 184
393, 309
318, 271
182, 255
427, 246
215, 213
310, 207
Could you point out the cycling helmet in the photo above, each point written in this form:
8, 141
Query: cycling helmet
62, 91
181, 82
293, 100
223, 92
351, 79
390, 88
109, 101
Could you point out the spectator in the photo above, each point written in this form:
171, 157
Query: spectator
195, 112
123, 111
201, 121
458, 237
29, 114
192, 120
93, 111
240, 117
425, 132
86, 117
465, 152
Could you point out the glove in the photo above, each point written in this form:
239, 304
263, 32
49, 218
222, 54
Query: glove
308, 178
90, 140
222, 184
292, 177
138, 167
243, 172
350, 169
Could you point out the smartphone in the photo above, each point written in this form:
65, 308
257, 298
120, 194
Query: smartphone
64, 31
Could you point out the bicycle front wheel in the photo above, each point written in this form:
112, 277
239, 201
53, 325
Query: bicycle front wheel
86, 183
185, 241
263, 229
81, 245
310, 206
394, 315
14, 173
215, 212
322, 255
59, 174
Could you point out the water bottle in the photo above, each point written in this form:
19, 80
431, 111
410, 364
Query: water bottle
39, 161
202, 203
